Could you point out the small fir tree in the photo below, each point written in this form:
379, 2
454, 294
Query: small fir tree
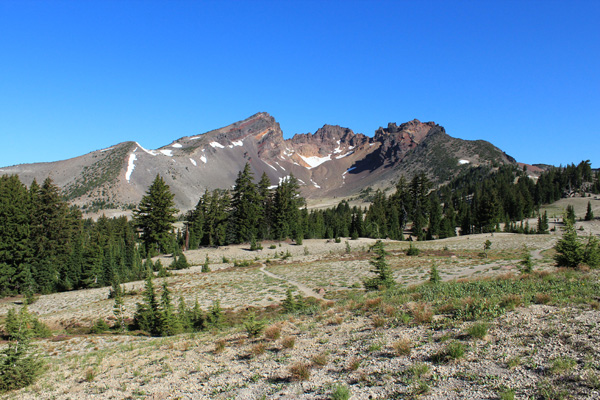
543, 223
569, 215
205, 267
147, 314
197, 318
589, 215
527, 262
434, 275
168, 322
384, 276
569, 251
591, 254
19, 366
119, 309
215, 317
288, 304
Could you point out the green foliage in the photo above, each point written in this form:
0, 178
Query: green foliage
478, 330
381, 268
180, 262
147, 315
543, 223
434, 275
119, 307
253, 326
412, 250
206, 267
19, 366
453, 351
526, 262
100, 326
591, 252
215, 316
589, 215
340, 392
569, 216
155, 216
569, 251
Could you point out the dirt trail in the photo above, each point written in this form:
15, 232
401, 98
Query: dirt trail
304, 289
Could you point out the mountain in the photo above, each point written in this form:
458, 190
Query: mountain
333, 161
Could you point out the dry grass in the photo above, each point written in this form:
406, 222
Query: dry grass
300, 371
402, 346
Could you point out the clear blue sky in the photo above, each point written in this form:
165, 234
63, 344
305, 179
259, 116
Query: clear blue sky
76, 76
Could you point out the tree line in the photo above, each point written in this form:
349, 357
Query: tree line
47, 246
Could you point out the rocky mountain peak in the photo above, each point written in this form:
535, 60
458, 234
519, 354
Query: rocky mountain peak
333, 161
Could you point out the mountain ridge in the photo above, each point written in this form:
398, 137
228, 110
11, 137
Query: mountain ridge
331, 162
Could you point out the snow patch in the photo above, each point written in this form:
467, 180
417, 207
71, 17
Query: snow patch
315, 161
345, 155
238, 143
107, 149
130, 165
193, 162
151, 152
203, 159
195, 137
279, 165
462, 162
167, 152
177, 145
315, 184
217, 145
271, 166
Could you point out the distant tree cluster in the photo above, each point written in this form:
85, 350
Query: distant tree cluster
248, 213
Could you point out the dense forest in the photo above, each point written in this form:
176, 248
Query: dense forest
47, 246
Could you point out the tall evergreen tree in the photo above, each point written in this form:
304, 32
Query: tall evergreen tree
245, 207
155, 216
543, 223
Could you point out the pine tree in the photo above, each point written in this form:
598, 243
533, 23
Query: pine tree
591, 253
119, 307
288, 304
434, 275
19, 367
569, 215
197, 318
147, 315
569, 251
169, 324
205, 266
543, 223
381, 267
245, 207
589, 215
527, 262
184, 315
155, 216
265, 199
215, 317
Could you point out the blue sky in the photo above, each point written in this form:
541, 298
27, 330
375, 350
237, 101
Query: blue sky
76, 76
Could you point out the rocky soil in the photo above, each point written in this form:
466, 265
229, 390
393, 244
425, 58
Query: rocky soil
540, 351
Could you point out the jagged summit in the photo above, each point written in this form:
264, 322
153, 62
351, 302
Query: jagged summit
333, 161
